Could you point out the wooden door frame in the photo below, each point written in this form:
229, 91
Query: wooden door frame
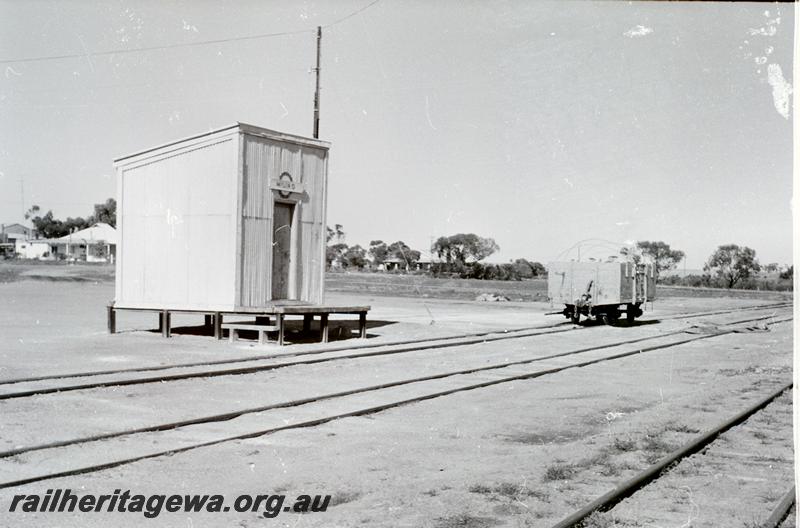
293, 238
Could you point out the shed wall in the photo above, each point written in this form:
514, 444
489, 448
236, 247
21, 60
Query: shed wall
264, 160
177, 223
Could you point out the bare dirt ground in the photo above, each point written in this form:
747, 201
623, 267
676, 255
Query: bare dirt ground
422, 287
522, 453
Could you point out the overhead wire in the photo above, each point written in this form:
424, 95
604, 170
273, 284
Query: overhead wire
354, 13
153, 48
122, 51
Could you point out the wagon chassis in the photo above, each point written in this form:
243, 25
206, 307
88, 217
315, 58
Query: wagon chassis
609, 314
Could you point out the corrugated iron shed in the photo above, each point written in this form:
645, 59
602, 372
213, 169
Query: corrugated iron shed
229, 220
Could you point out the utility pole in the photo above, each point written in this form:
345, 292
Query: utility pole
316, 92
22, 195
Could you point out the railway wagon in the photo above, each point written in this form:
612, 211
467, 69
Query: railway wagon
232, 220
603, 290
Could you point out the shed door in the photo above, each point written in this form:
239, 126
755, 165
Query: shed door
281, 249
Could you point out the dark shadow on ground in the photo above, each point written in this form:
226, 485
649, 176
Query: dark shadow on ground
622, 323
293, 333
199, 330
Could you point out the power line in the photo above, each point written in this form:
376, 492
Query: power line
184, 45
154, 48
354, 13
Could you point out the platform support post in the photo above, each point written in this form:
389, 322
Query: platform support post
217, 325
323, 327
112, 320
307, 323
281, 324
165, 323
362, 324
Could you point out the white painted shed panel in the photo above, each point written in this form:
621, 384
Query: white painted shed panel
176, 219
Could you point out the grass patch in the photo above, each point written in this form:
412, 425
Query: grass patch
604, 462
420, 285
657, 444
605, 520
624, 444
681, 428
482, 489
509, 490
754, 369
559, 472
655, 448
466, 521
610, 469
554, 437
9, 274
597, 520
770, 496
17, 270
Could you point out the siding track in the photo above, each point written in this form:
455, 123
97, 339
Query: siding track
27, 387
390, 395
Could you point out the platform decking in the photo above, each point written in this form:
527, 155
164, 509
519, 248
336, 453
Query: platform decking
262, 322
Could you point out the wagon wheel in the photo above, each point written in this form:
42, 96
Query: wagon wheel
609, 319
575, 316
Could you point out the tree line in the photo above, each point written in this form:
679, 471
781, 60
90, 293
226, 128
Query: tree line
461, 255
50, 227
458, 255
729, 266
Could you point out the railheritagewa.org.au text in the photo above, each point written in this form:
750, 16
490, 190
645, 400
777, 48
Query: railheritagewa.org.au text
153, 505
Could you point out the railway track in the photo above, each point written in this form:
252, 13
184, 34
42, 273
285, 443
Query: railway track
306, 412
283, 360
782, 510
701, 443
559, 326
732, 310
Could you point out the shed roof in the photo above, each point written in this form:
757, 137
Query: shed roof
16, 229
99, 232
242, 127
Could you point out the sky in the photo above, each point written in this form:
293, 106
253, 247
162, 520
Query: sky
552, 127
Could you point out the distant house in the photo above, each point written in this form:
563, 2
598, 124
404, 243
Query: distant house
10, 233
14, 241
424, 264
93, 244
32, 249
395, 264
